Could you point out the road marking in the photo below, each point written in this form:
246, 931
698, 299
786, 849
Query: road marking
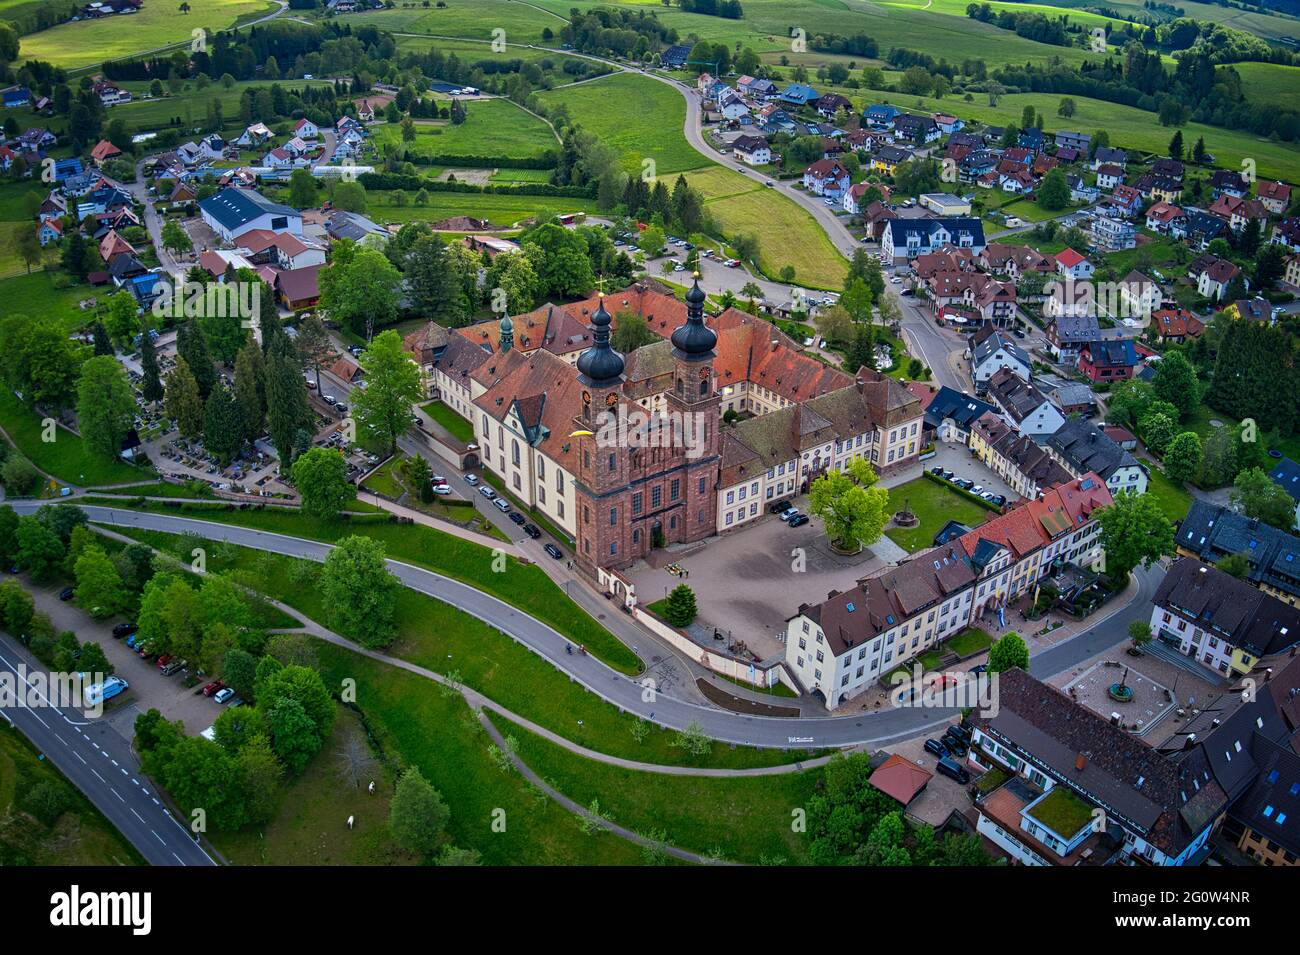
178, 858
137, 815
158, 837
99, 777
117, 794
80, 757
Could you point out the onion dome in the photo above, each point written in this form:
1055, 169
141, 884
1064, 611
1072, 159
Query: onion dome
694, 341
600, 364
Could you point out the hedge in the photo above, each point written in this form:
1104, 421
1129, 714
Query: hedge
545, 160
391, 180
988, 505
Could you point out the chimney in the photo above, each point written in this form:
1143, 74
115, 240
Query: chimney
1080, 761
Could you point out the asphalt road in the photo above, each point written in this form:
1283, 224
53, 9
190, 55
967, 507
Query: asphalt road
626, 693
99, 762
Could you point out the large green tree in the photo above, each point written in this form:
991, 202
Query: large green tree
1258, 497
851, 505
289, 413
417, 815
321, 477
393, 385
360, 288
1134, 530
1175, 382
105, 405
360, 592
1008, 651
223, 425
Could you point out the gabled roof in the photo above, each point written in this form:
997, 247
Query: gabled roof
236, 207
1229, 608
1085, 447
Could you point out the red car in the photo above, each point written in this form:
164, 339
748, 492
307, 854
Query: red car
213, 687
164, 660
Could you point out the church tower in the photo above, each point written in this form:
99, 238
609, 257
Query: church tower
507, 333
602, 466
695, 397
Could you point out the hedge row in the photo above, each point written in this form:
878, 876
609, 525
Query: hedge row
391, 180
544, 161
988, 505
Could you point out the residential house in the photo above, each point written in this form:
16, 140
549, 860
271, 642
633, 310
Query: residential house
1109, 176
1164, 217
1073, 140
1211, 532
306, 129
970, 298
887, 159
828, 104
915, 129
1237, 212
992, 350
944, 204
1080, 190
1222, 623
1276, 196
103, 152
1125, 201
1138, 297
352, 225
1109, 234
1287, 232
950, 414
826, 177
1032, 139
49, 231
1073, 265
752, 150
283, 250
1257, 309
1285, 473
1229, 182
905, 239
1082, 448
1026, 409
1199, 229
1109, 156
1176, 325
1155, 188
254, 135
1024, 464
1213, 276
799, 94
1015, 261
1109, 360
881, 115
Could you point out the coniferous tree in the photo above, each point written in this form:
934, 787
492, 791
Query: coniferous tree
102, 344
250, 389
193, 347
151, 387
223, 425
288, 410
182, 402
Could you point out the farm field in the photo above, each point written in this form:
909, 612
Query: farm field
493, 127
88, 42
1271, 83
474, 19
1266, 25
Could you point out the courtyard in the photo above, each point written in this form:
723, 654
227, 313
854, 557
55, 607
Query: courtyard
934, 504
748, 583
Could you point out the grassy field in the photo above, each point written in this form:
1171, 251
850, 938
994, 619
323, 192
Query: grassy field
740, 819
605, 106
73, 45
80, 836
1271, 83
66, 458
1266, 25
445, 640
421, 725
493, 127
474, 19
1173, 500
498, 209
935, 505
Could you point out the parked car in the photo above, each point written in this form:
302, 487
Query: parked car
799, 520
516, 517
936, 747
955, 743
780, 507
437, 479
977, 489
471, 480
487, 492
216, 686
789, 513
164, 660
937, 470
341, 408
964, 484
553, 551
502, 505
328, 399
946, 767
532, 531
947, 475
442, 489
173, 667
961, 732
66, 594
224, 695
123, 630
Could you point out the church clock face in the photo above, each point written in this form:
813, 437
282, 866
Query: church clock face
586, 397
611, 399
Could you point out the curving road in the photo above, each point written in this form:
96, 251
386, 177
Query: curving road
877, 728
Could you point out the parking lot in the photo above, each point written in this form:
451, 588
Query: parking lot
149, 688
